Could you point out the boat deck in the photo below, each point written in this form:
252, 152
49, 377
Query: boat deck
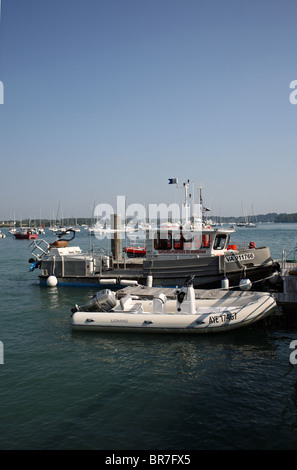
144, 292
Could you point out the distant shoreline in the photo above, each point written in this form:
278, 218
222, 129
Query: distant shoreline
261, 218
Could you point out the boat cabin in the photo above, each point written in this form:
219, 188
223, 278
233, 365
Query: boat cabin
207, 241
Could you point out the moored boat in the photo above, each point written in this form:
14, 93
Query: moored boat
184, 314
25, 233
135, 251
207, 253
169, 258
67, 263
171, 252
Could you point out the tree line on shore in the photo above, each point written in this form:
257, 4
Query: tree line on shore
291, 218
271, 217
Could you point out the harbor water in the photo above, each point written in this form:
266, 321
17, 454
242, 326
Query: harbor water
61, 389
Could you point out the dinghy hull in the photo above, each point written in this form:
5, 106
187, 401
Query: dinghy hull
207, 318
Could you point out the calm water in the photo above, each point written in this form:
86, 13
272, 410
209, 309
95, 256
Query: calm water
68, 390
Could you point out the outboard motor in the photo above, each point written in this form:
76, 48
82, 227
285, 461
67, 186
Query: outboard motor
103, 301
35, 263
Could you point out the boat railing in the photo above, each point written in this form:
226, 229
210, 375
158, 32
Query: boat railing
244, 245
289, 262
39, 248
102, 251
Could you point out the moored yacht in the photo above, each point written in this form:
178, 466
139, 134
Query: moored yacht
25, 233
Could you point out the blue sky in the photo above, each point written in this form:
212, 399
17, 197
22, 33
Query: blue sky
113, 97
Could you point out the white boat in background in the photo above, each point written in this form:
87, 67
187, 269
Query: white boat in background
2, 235
54, 228
248, 221
185, 314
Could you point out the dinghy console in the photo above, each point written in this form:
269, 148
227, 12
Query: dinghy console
185, 298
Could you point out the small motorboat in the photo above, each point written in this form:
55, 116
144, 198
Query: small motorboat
62, 261
2, 235
135, 251
184, 314
25, 233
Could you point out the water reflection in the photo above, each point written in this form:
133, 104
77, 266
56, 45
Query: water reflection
185, 355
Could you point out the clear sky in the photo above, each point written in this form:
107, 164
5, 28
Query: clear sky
113, 97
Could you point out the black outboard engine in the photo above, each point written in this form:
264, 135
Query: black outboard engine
103, 301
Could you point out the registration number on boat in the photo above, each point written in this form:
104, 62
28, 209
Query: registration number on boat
228, 316
239, 257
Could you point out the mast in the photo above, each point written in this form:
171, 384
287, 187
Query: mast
201, 202
186, 203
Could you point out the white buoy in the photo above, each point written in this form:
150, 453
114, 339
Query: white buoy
149, 281
128, 282
52, 281
108, 281
225, 283
245, 284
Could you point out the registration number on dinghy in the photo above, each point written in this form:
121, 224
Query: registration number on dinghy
222, 318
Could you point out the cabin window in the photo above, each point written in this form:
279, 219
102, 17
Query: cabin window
220, 242
163, 243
